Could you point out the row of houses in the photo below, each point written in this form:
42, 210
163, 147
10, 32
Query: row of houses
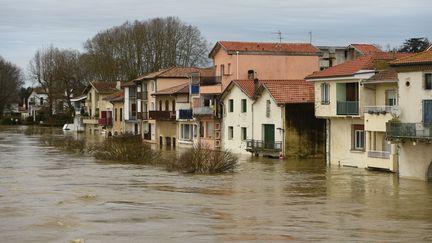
352, 105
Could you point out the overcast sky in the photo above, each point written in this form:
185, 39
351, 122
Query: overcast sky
27, 25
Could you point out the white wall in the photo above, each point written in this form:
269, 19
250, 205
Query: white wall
260, 118
126, 104
236, 119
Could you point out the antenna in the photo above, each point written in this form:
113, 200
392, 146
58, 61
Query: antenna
279, 33
310, 37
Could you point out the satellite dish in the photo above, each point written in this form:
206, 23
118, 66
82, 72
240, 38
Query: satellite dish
395, 111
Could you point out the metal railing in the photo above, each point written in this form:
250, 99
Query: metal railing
347, 108
142, 115
185, 114
132, 115
408, 130
260, 145
162, 115
143, 95
379, 154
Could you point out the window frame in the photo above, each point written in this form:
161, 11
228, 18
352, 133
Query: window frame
268, 108
325, 94
243, 105
427, 81
358, 137
230, 133
243, 133
231, 105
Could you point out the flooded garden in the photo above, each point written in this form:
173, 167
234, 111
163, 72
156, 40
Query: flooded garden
53, 189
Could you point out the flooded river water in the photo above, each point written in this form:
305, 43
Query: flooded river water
47, 195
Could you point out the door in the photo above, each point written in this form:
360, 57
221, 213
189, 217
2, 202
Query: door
269, 135
427, 112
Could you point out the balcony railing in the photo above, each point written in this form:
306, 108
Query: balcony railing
379, 154
378, 109
408, 130
142, 115
132, 115
185, 114
105, 121
143, 95
260, 145
162, 115
347, 108
203, 110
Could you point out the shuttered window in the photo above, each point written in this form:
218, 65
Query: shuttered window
427, 112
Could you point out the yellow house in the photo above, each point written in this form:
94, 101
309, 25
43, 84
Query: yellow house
412, 131
98, 109
117, 100
349, 98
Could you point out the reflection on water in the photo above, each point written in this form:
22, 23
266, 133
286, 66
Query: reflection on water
47, 195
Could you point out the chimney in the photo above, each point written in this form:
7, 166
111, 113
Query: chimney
256, 87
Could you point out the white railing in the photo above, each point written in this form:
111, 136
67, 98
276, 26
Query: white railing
378, 109
203, 110
379, 154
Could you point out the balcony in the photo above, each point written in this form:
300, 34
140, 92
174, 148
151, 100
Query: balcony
379, 154
143, 95
377, 110
260, 146
203, 110
142, 115
185, 114
105, 121
162, 115
414, 131
132, 116
347, 108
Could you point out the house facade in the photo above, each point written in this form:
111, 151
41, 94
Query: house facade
335, 55
343, 93
37, 102
99, 111
249, 60
411, 132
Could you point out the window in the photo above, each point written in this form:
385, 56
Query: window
325, 94
358, 137
195, 89
166, 105
222, 70
201, 129
243, 105
230, 133
186, 131
268, 103
428, 81
427, 112
173, 106
160, 105
231, 105
391, 98
229, 68
41, 101
210, 130
153, 86
121, 114
243, 133
115, 114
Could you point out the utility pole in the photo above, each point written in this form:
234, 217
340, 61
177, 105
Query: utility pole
279, 33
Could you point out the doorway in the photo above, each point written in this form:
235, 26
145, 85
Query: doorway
269, 135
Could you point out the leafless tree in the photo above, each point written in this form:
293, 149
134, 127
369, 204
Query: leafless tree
135, 48
10, 83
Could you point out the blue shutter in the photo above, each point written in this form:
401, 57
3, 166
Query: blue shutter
427, 112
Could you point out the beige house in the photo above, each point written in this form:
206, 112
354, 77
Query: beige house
98, 113
356, 105
412, 130
117, 100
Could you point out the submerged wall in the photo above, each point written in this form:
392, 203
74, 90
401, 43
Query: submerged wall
304, 133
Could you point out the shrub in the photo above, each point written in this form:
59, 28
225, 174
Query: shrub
125, 149
200, 159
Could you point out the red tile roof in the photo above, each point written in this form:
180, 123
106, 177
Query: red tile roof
179, 89
283, 91
116, 97
389, 75
174, 72
267, 47
105, 87
417, 58
349, 68
366, 48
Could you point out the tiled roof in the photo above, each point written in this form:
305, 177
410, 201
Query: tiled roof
268, 47
128, 84
349, 68
174, 72
283, 91
417, 58
179, 89
366, 48
105, 87
388, 75
117, 96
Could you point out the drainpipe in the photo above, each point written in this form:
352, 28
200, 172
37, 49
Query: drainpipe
328, 139
237, 66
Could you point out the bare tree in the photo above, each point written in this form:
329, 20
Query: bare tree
10, 83
132, 49
59, 73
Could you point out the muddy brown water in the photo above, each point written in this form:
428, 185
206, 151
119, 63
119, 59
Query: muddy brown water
47, 195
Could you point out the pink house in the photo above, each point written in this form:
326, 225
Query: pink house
248, 60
